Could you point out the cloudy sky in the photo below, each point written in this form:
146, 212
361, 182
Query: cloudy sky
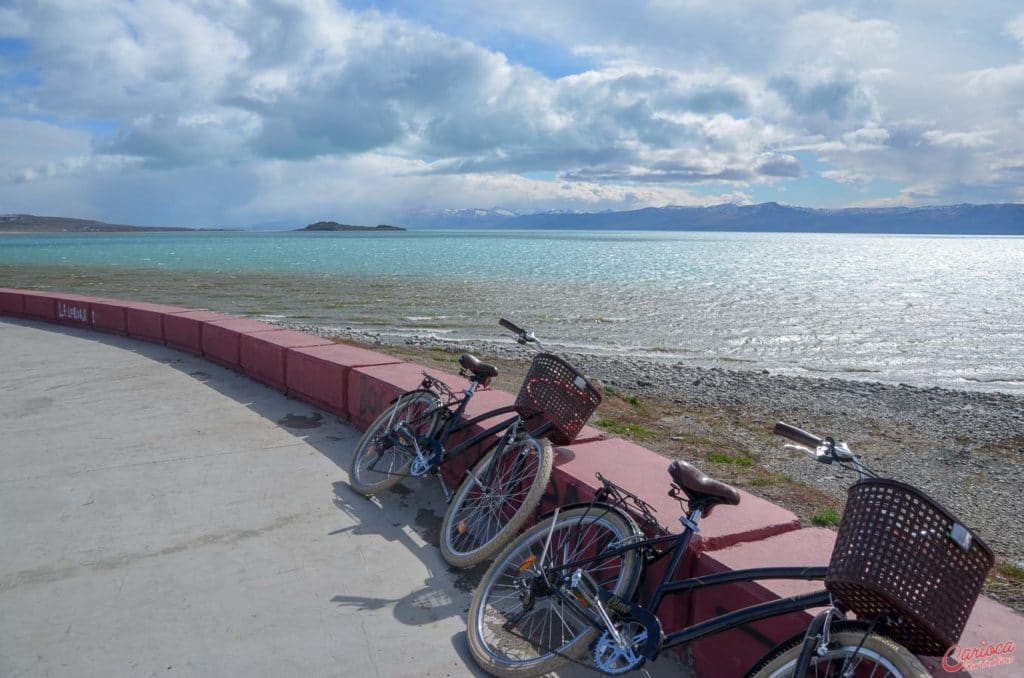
233, 112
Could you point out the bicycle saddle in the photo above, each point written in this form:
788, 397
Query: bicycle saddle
476, 367
702, 488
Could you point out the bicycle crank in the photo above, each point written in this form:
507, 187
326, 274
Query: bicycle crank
614, 657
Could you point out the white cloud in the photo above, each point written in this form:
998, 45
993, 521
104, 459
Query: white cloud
676, 94
1015, 27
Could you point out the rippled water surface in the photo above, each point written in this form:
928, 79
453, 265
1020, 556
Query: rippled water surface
925, 310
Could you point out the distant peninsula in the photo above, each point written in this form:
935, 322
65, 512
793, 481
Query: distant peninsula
335, 226
30, 223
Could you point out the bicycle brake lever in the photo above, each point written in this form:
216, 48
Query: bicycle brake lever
822, 457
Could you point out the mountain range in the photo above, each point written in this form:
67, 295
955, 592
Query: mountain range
768, 217
966, 219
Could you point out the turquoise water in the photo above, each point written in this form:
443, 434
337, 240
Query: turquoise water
925, 310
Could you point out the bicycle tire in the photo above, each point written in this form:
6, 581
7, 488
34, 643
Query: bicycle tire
478, 524
575, 529
425, 401
849, 638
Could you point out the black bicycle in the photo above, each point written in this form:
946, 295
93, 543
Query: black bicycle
901, 563
411, 439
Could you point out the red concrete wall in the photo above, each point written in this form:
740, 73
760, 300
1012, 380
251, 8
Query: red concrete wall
320, 374
12, 302
74, 310
222, 339
184, 331
146, 321
40, 306
262, 354
107, 316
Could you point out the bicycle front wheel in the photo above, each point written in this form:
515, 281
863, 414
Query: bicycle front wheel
381, 459
517, 625
495, 499
851, 655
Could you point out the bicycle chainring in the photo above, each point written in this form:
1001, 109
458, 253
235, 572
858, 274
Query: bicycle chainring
615, 659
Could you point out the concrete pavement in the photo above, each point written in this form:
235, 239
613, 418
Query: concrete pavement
163, 516
160, 515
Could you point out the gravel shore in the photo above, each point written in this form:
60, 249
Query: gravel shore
964, 448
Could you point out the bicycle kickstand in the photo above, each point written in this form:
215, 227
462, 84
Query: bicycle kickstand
448, 492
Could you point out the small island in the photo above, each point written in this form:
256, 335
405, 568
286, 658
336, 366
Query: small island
335, 226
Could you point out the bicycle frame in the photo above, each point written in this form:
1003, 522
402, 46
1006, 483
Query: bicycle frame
454, 423
668, 586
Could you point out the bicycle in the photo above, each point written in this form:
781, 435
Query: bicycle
410, 439
570, 583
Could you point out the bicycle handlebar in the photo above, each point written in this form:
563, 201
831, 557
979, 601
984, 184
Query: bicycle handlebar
512, 327
797, 435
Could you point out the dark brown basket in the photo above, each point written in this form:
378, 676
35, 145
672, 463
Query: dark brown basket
895, 556
554, 389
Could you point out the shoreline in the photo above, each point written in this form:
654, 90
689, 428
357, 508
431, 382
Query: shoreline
964, 448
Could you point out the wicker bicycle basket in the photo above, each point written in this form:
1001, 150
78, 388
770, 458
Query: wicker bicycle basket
900, 554
555, 390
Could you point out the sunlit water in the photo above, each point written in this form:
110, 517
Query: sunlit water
943, 311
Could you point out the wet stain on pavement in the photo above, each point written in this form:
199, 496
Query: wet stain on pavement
299, 421
428, 526
467, 580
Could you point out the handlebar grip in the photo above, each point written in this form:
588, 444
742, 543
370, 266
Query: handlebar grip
797, 435
509, 325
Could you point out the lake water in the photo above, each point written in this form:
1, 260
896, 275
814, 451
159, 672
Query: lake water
945, 311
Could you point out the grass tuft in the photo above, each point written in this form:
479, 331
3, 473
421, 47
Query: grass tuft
826, 518
770, 478
1011, 570
735, 460
631, 430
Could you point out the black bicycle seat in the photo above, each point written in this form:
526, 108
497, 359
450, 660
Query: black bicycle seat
478, 368
702, 488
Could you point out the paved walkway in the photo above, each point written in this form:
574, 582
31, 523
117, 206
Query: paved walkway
162, 516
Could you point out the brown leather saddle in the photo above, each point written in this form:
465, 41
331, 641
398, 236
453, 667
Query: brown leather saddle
700, 488
481, 370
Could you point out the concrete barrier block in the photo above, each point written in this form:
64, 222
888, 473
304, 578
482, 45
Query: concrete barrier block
734, 652
262, 355
370, 389
12, 302
589, 434
145, 321
108, 315
319, 374
483, 401
184, 331
73, 309
40, 305
222, 339
646, 473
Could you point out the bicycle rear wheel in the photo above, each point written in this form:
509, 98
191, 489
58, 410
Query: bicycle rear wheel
495, 499
381, 460
516, 625
852, 655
